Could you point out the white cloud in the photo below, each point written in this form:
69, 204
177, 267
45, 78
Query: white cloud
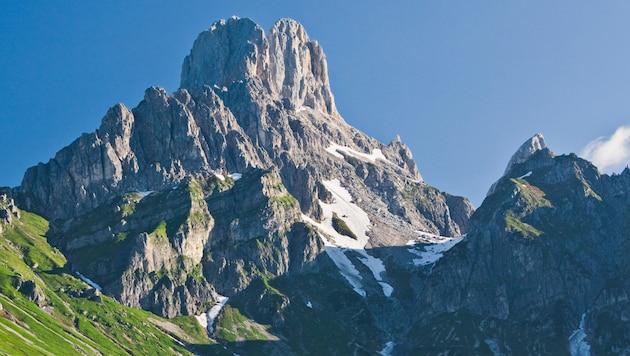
610, 154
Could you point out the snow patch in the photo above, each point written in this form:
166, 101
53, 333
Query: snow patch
377, 267
493, 346
525, 175
146, 192
387, 289
235, 176
432, 253
207, 319
88, 281
346, 268
334, 149
309, 304
202, 319
577, 341
387, 350
336, 244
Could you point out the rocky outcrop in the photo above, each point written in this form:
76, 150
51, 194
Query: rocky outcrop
528, 148
8, 210
31, 291
290, 67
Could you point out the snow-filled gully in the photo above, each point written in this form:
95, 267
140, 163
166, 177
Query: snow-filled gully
430, 248
207, 319
337, 245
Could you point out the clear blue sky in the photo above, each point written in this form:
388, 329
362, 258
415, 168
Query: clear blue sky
464, 83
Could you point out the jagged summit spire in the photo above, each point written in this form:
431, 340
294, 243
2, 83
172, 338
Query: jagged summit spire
230, 50
290, 66
527, 149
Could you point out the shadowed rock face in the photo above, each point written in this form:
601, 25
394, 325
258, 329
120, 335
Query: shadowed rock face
548, 244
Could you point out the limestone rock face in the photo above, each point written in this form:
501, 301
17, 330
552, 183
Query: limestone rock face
8, 210
527, 149
297, 68
290, 66
229, 51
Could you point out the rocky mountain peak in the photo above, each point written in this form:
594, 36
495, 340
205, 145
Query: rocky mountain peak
521, 164
291, 67
527, 149
229, 51
244, 174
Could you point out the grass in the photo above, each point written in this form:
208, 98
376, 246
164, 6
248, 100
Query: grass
160, 230
341, 227
532, 195
198, 217
265, 279
232, 326
287, 201
526, 230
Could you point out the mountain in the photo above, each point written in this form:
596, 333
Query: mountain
543, 268
246, 174
242, 215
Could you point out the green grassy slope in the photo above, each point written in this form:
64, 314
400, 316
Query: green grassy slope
46, 310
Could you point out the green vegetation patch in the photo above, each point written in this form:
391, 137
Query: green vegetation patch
73, 319
160, 230
526, 230
341, 227
532, 195
232, 326
265, 279
287, 201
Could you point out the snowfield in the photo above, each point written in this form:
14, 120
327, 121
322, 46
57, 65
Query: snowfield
146, 193
236, 176
577, 341
88, 281
430, 254
337, 244
334, 149
207, 319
